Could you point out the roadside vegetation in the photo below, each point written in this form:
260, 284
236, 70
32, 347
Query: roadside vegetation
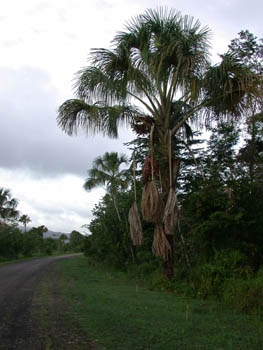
17, 243
101, 308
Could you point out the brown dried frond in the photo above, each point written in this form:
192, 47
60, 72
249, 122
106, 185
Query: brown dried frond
135, 225
151, 202
148, 167
171, 212
160, 246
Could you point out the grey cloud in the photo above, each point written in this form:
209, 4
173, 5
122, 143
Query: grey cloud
29, 135
234, 16
225, 16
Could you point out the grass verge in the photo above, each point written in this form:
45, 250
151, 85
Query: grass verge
120, 315
37, 256
57, 327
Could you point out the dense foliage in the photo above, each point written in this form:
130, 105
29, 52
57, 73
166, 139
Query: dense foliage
219, 240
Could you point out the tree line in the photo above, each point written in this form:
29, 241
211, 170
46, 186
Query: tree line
16, 242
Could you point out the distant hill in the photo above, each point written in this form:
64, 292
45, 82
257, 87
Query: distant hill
54, 234
47, 234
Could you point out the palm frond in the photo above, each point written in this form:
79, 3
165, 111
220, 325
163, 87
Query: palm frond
228, 85
75, 115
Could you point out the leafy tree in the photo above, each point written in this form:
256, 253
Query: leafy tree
8, 205
158, 75
63, 238
223, 213
106, 171
249, 50
76, 240
25, 219
220, 161
10, 242
33, 240
49, 245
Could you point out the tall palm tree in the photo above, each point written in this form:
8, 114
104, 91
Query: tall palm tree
106, 171
157, 74
8, 205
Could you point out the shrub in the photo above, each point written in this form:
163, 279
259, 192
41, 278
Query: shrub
160, 283
209, 278
244, 295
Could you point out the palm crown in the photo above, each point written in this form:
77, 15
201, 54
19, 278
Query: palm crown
161, 58
106, 171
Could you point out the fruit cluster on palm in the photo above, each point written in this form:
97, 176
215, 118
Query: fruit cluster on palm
158, 78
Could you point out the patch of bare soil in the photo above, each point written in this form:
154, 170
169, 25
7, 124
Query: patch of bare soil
58, 328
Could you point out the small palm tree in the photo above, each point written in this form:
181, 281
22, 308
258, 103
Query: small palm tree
25, 219
106, 171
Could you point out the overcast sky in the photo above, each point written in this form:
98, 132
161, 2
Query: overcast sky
43, 44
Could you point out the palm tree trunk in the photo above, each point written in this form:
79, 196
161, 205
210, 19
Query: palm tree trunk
168, 265
252, 157
115, 206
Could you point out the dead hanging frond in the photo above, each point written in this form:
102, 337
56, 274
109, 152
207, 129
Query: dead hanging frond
135, 225
151, 202
160, 246
134, 217
171, 211
149, 166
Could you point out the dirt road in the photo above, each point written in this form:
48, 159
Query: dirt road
17, 285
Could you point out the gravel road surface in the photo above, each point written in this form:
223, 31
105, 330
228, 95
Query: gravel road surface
17, 285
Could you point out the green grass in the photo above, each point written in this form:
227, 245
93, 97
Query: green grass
111, 312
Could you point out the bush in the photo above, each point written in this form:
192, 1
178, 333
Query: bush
160, 283
209, 278
245, 295
143, 271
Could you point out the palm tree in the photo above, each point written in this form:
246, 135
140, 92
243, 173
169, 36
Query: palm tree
25, 219
106, 171
158, 77
8, 205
